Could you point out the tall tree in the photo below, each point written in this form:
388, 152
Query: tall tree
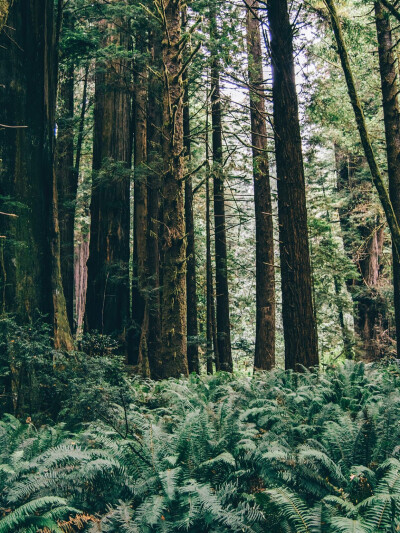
192, 327
391, 112
107, 305
221, 260
30, 262
301, 347
173, 305
265, 268
154, 158
140, 308
67, 182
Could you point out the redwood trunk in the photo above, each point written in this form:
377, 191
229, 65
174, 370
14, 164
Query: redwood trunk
31, 271
107, 305
173, 306
140, 307
299, 323
67, 181
264, 358
153, 194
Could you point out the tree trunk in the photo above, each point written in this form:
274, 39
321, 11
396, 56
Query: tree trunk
107, 305
192, 327
82, 238
300, 333
173, 306
391, 113
31, 271
265, 269
221, 266
140, 308
154, 158
67, 181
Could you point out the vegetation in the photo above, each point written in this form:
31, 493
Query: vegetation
309, 452
199, 266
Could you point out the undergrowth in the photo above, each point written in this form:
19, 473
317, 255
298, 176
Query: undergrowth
279, 452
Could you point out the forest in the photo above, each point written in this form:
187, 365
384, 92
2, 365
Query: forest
199, 266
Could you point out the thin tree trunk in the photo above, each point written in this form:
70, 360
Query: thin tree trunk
264, 358
391, 113
81, 253
300, 332
173, 306
154, 157
107, 305
192, 327
67, 186
211, 334
140, 308
221, 266
81, 127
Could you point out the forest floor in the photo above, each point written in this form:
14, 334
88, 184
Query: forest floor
276, 452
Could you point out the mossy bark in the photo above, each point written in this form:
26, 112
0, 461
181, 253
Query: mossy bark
173, 361
32, 271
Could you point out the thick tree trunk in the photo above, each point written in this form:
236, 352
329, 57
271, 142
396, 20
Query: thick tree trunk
107, 305
300, 332
264, 358
140, 308
221, 260
391, 113
67, 181
31, 270
173, 306
154, 157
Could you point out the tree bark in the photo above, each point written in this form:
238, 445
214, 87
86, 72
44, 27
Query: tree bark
107, 305
391, 113
67, 181
221, 260
31, 269
264, 358
154, 157
192, 327
299, 324
140, 308
173, 306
